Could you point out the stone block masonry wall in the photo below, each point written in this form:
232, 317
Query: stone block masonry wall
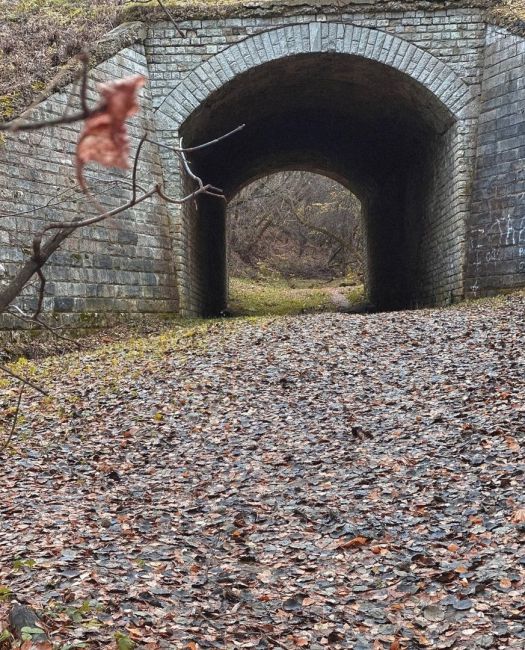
465, 227
455, 36
123, 265
496, 258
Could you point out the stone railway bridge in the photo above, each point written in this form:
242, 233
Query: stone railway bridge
416, 108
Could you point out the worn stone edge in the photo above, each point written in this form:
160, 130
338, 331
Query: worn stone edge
205, 10
202, 10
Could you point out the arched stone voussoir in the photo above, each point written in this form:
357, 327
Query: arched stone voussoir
319, 37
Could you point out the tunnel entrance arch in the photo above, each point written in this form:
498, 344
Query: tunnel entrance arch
388, 118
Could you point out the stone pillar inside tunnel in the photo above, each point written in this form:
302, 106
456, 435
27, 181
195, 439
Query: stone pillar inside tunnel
386, 280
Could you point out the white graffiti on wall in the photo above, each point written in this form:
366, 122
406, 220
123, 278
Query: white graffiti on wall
490, 245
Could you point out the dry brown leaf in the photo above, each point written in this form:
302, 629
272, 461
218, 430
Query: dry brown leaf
512, 443
354, 543
519, 516
104, 138
36, 645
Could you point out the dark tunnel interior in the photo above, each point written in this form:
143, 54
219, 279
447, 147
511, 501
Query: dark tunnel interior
367, 125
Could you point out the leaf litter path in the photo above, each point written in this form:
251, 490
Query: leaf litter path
321, 481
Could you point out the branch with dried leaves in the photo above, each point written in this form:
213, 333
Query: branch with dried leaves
103, 139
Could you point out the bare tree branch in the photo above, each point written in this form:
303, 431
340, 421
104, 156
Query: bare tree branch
41, 288
15, 421
22, 380
51, 236
16, 312
42, 251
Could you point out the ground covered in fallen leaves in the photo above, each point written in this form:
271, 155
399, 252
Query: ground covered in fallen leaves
319, 481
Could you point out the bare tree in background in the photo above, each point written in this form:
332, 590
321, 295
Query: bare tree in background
296, 224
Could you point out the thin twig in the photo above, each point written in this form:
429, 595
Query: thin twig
177, 28
24, 381
209, 190
74, 225
86, 112
162, 5
135, 166
198, 147
277, 642
53, 83
35, 320
15, 420
210, 142
64, 119
68, 193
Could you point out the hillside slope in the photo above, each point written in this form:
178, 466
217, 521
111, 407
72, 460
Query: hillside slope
318, 481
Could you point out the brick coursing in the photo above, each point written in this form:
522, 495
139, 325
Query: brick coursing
466, 240
443, 50
496, 251
123, 265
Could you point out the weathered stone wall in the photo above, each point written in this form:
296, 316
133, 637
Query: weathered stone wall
124, 265
454, 37
451, 240
496, 257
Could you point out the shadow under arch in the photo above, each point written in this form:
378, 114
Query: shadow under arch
388, 132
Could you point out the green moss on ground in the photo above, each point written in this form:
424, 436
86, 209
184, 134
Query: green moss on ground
278, 297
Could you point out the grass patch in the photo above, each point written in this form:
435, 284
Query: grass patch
496, 301
279, 297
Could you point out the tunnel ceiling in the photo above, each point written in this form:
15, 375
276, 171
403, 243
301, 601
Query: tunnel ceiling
354, 119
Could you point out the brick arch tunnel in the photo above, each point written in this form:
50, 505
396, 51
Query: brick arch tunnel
381, 132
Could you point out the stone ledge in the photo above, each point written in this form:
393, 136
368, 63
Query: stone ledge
202, 10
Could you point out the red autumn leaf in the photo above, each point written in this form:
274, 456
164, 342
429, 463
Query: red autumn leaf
354, 543
104, 138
